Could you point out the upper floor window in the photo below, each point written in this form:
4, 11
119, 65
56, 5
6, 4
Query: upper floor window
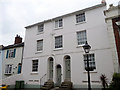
39, 45
59, 23
91, 58
11, 53
81, 37
34, 65
58, 42
8, 69
80, 17
40, 28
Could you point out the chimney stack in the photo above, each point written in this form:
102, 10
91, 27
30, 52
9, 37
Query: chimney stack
18, 39
103, 1
111, 5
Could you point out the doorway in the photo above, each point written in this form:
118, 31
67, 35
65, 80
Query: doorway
67, 68
50, 68
58, 75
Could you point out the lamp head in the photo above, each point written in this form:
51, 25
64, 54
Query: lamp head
86, 47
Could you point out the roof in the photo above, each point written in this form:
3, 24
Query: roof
83, 10
13, 46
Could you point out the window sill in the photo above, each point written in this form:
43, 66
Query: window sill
85, 81
10, 57
80, 23
57, 49
38, 52
7, 73
78, 46
34, 73
90, 71
58, 28
40, 33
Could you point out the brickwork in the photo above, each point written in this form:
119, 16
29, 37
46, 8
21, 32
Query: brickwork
18, 39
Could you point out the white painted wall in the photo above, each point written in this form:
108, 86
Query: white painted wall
11, 80
14, 61
96, 35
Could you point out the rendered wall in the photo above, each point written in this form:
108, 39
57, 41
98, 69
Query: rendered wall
97, 37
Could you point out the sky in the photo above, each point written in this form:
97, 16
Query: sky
15, 15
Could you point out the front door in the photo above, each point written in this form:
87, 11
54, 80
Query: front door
58, 76
67, 70
51, 68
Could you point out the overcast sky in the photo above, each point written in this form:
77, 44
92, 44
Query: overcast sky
16, 14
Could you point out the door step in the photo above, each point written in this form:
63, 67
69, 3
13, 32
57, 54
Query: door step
47, 85
67, 85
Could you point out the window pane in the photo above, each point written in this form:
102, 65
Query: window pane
8, 69
58, 23
80, 17
91, 59
81, 37
40, 28
11, 53
35, 65
39, 45
58, 42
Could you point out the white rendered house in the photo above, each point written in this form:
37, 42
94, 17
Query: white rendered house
53, 49
12, 60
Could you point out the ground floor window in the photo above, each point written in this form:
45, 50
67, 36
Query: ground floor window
8, 69
34, 65
91, 58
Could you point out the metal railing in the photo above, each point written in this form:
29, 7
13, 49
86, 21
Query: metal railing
43, 79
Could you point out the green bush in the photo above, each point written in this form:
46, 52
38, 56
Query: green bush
115, 84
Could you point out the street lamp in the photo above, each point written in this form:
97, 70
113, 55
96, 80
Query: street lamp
87, 48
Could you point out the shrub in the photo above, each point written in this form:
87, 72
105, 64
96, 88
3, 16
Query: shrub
115, 84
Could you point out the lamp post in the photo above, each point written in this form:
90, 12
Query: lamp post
86, 48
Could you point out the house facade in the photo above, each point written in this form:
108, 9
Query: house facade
12, 59
113, 24
1, 58
53, 49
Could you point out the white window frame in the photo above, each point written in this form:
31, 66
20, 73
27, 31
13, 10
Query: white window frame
59, 42
40, 45
81, 37
80, 18
35, 64
11, 53
40, 28
8, 69
91, 58
58, 23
